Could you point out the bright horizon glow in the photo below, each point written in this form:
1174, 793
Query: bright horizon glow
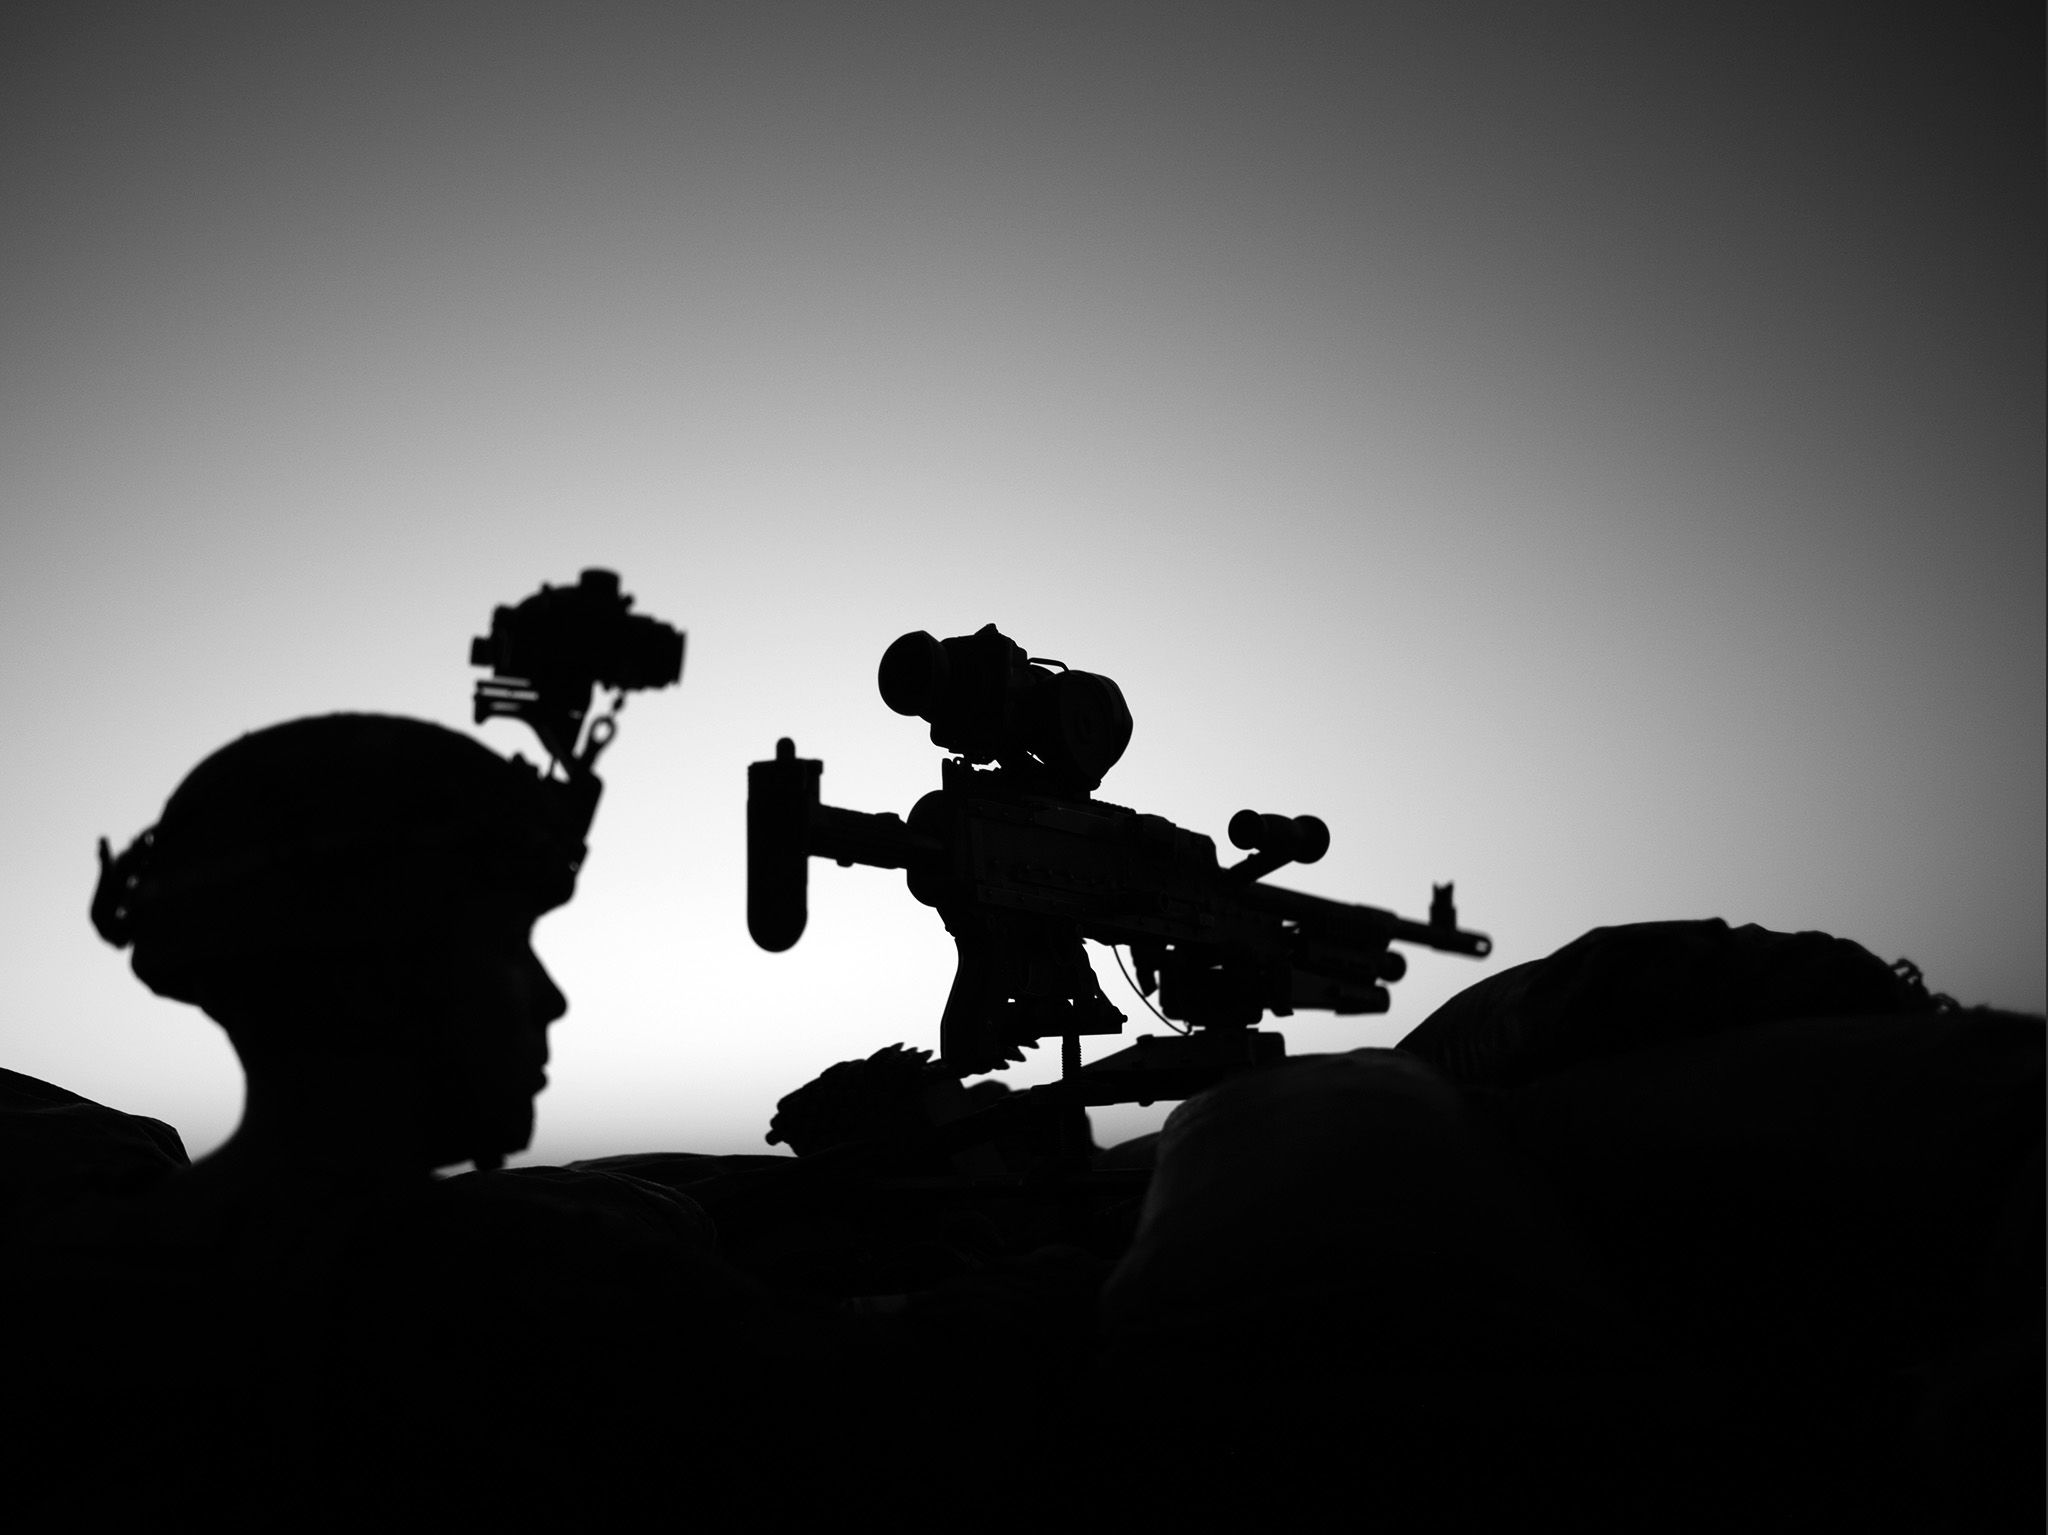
1598, 464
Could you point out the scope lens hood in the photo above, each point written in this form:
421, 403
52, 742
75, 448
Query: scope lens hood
1092, 726
913, 675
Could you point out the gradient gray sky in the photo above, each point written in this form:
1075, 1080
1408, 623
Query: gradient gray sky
1592, 452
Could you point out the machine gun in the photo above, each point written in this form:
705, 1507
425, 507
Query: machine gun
1023, 863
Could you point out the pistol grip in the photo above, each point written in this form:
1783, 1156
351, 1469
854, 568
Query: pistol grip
969, 1038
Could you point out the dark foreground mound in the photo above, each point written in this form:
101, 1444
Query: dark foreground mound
1684, 1227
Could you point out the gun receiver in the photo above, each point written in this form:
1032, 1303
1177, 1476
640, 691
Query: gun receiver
1022, 864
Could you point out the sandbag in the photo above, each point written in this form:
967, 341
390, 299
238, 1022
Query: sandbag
1834, 1191
1337, 1188
56, 1146
1627, 987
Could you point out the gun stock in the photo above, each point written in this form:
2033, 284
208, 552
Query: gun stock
782, 797
787, 827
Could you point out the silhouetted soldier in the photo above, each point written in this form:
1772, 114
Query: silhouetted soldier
345, 1335
351, 898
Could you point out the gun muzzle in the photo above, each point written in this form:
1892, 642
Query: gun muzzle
782, 797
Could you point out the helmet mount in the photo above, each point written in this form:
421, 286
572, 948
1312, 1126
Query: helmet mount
322, 828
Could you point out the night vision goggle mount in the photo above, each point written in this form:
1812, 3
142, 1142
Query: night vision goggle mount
548, 655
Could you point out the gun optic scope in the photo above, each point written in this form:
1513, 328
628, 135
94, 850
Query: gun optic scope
985, 699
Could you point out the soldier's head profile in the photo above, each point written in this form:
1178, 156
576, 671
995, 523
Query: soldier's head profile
351, 898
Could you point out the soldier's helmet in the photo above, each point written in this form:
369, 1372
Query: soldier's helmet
328, 836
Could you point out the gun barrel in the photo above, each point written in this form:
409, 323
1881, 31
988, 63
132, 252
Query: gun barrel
1339, 917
